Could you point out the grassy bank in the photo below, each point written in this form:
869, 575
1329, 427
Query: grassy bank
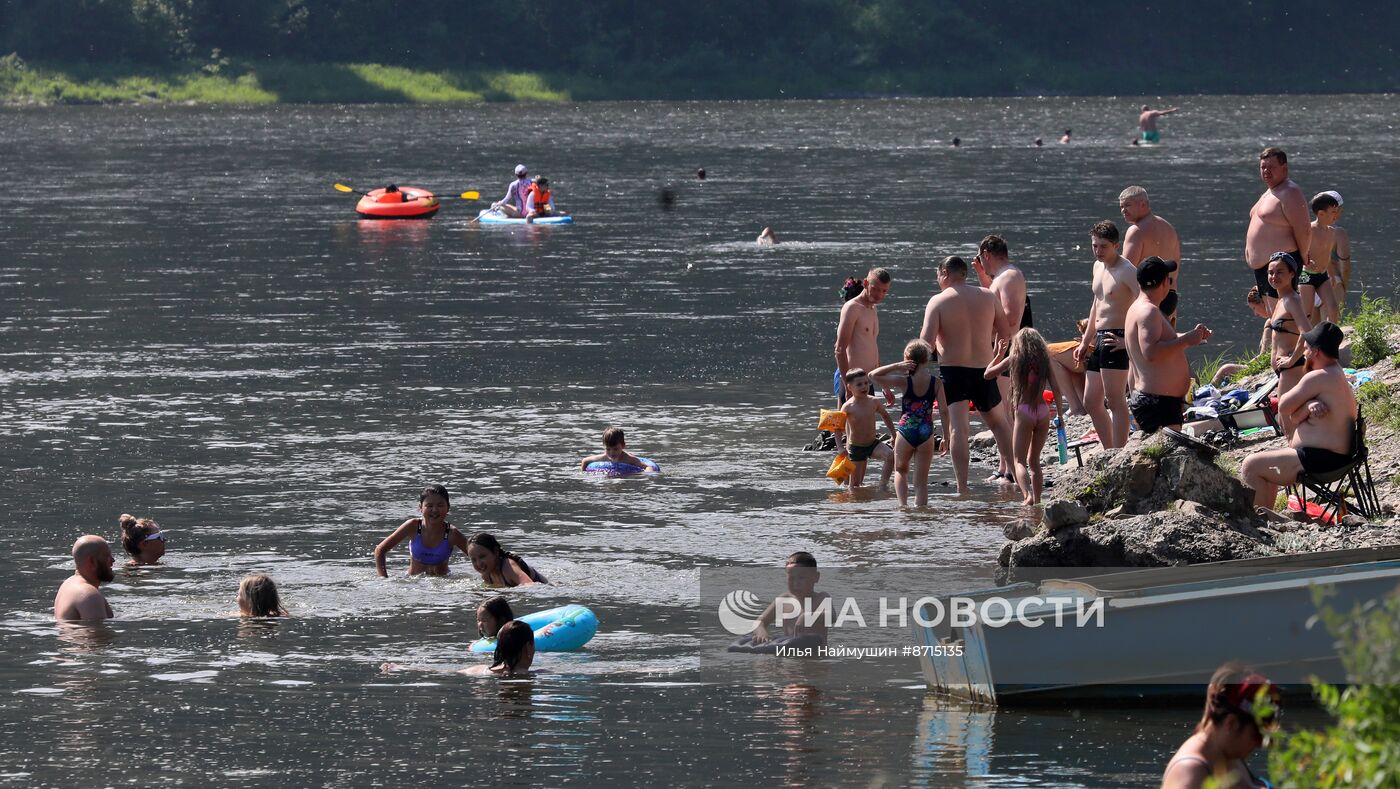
265, 83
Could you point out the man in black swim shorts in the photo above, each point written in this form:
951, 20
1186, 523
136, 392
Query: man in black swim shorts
1319, 412
1157, 352
1115, 287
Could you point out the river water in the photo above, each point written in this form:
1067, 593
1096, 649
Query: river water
195, 327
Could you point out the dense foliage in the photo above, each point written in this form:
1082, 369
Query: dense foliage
744, 47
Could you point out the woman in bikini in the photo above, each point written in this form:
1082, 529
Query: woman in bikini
914, 436
1240, 707
431, 537
1029, 362
1287, 324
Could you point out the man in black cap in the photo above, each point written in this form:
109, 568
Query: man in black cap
1157, 352
1321, 411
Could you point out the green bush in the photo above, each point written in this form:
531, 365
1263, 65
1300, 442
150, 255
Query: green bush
1371, 324
1377, 401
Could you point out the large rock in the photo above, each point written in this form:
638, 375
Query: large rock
1158, 539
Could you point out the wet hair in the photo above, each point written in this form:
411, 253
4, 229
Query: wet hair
918, 351
1274, 153
613, 437
878, 274
1105, 230
511, 641
957, 141
1028, 355
434, 490
135, 531
1133, 193
1322, 202
853, 287
852, 374
953, 265
490, 543
258, 595
802, 559
994, 244
499, 609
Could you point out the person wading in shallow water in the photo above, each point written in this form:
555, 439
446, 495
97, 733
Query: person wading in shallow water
79, 599
858, 333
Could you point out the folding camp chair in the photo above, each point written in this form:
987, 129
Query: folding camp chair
1256, 411
1330, 490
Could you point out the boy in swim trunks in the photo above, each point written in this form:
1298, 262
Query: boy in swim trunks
1102, 349
859, 439
614, 450
1312, 283
789, 608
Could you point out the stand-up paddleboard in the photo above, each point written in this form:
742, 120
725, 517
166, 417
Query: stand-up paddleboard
489, 217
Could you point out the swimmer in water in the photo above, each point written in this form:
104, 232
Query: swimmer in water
492, 615
515, 653
257, 596
1065, 139
802, 577
1240, 707
142, 539
499, 567
433, 538
614, 451
766, 238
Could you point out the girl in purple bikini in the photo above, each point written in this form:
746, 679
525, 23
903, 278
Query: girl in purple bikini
431, 537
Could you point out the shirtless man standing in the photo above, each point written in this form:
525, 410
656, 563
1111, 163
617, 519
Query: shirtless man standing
79, 599
1278, 222
1322, 409
1150, 235
1106, 376
963, 322
1147, 124
1341, 255
1158, 353
1006, 282
858, 332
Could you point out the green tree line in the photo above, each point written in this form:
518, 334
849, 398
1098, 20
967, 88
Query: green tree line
832, 46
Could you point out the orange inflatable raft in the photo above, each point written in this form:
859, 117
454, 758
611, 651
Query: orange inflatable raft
409, 202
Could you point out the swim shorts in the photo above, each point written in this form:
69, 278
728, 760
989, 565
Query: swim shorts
861, 452
968, 383
1152, 412
1313, 278
1104, 358
1151, 136
1321, 461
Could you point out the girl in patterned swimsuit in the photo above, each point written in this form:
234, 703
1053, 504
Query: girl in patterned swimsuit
1029, 363
915, 428
432, 526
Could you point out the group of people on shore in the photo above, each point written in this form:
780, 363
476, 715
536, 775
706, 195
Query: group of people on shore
1129, 365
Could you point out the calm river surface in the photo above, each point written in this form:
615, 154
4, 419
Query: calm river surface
194, 327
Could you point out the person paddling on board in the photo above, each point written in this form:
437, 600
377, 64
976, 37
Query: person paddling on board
513, 204
539, 202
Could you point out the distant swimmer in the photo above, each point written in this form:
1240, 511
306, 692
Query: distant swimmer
1039, 142
499, 567
767, 238
1157, 352
963, 322
1102, 350
1147, 122
257, 597
142, 539
1150, 235
1064, 140
513, 204
515, 653
700, 173
1278, 222
431, 538
957, 142
79, 599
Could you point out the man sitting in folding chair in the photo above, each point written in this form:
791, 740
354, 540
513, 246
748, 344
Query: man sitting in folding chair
1321, 409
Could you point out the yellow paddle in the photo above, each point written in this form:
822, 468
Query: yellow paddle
462, 196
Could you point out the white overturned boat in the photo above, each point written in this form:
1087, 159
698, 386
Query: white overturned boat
1163, 630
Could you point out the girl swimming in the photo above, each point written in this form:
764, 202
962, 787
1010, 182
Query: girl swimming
1029, 362
433, 538
499, 567
515, 652
142, 539
492, 615
914, 436
257, 596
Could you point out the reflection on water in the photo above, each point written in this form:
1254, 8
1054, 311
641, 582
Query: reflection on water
273, 379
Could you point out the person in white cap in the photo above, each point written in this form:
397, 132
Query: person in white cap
513, 204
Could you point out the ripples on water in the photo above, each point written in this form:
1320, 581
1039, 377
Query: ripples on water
194, 327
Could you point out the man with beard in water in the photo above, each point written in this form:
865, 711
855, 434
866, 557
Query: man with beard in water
79, 599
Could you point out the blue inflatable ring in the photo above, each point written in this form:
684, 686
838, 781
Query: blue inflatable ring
612, 469
562, 629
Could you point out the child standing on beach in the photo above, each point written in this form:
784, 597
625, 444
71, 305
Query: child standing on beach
1029, 362
859, 439
433, 538
914, 436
